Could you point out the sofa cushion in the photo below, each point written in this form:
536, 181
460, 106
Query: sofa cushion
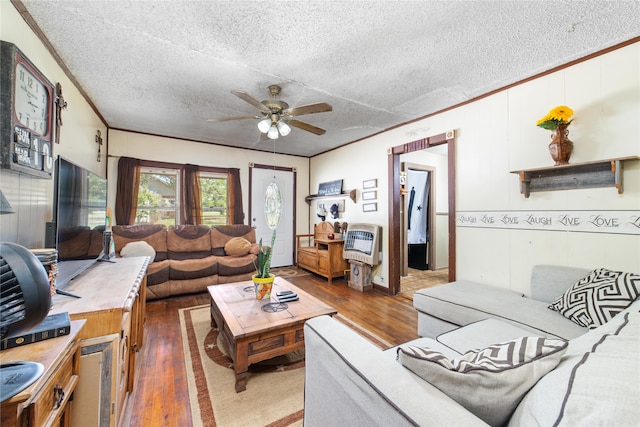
188, 241
549, 281
185, 269
463, 302
154, 234
158, 272
489, 382
141, 248
596, 383
238, 246
596, 298
480, 335
231, 266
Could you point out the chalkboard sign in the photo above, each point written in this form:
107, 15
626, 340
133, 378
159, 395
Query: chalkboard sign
330, 188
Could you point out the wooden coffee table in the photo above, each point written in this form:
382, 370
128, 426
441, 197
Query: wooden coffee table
253, 335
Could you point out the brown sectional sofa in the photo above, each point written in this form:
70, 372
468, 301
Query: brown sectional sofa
188, 258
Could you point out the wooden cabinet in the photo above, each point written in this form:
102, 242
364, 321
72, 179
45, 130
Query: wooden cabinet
325, 258
46, 402
112, 300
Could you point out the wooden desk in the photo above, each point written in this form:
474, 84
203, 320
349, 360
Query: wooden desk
46, 402
112, 300
253, 335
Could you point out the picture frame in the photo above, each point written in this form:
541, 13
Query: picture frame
369, 195
370, 183
370, 207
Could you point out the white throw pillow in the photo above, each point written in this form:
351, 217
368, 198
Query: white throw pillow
595, 299
489, 382
140, 248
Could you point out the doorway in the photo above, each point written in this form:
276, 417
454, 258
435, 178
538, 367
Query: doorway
395, 231
418, 221
260, 178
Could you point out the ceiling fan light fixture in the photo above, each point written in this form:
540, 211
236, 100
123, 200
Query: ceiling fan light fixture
284, 128
273, 132
264, 125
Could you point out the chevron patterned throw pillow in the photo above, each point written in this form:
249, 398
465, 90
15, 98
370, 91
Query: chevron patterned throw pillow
595, 299
489, 382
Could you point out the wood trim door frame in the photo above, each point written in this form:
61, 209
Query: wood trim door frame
393, 160
431, 218
294, 205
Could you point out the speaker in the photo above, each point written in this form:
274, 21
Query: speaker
50, 235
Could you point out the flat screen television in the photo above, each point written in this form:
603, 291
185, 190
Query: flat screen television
79, 219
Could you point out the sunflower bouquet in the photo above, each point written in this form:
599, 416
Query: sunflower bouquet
558, 115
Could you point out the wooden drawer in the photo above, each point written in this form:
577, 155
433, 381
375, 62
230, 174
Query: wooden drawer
49, 405
306, 259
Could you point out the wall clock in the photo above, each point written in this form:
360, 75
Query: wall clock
26, 112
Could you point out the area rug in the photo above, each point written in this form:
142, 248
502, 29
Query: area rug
289, 272
275, 389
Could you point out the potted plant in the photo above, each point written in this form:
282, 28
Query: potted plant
263, 279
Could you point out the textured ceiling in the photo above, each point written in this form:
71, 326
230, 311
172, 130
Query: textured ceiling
165, 67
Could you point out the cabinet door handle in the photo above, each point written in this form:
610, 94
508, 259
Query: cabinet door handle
58, 396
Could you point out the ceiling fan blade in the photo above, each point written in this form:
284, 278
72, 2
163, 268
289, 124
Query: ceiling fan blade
322, 107
251, 100
227, 119
307, 127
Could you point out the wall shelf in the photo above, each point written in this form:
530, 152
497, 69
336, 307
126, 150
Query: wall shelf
350, 193
600, 173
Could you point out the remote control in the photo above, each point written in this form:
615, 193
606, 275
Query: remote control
288, 298
283, 293
289, 295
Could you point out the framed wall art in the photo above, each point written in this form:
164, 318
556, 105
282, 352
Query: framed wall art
331, 188
369, 195
369, 207
369, 184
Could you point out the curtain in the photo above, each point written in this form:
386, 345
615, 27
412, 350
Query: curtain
127, 190
191, 209
236, 211
191, 200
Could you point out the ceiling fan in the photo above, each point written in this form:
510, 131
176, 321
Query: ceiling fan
275, 115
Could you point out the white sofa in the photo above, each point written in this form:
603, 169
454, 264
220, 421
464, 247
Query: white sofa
349, 381
447, 307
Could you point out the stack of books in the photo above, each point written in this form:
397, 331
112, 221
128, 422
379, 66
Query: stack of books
46, 256
49, 260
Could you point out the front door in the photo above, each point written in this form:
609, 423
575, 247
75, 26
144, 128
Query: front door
260, 178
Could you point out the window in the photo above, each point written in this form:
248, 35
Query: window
159, 197
214, 198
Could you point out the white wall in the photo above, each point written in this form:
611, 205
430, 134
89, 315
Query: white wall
32, 198
496, 135
156, 148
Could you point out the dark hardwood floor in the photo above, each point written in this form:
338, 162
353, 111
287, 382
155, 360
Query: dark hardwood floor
160, 396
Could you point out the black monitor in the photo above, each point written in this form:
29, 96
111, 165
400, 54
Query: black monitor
79, 219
